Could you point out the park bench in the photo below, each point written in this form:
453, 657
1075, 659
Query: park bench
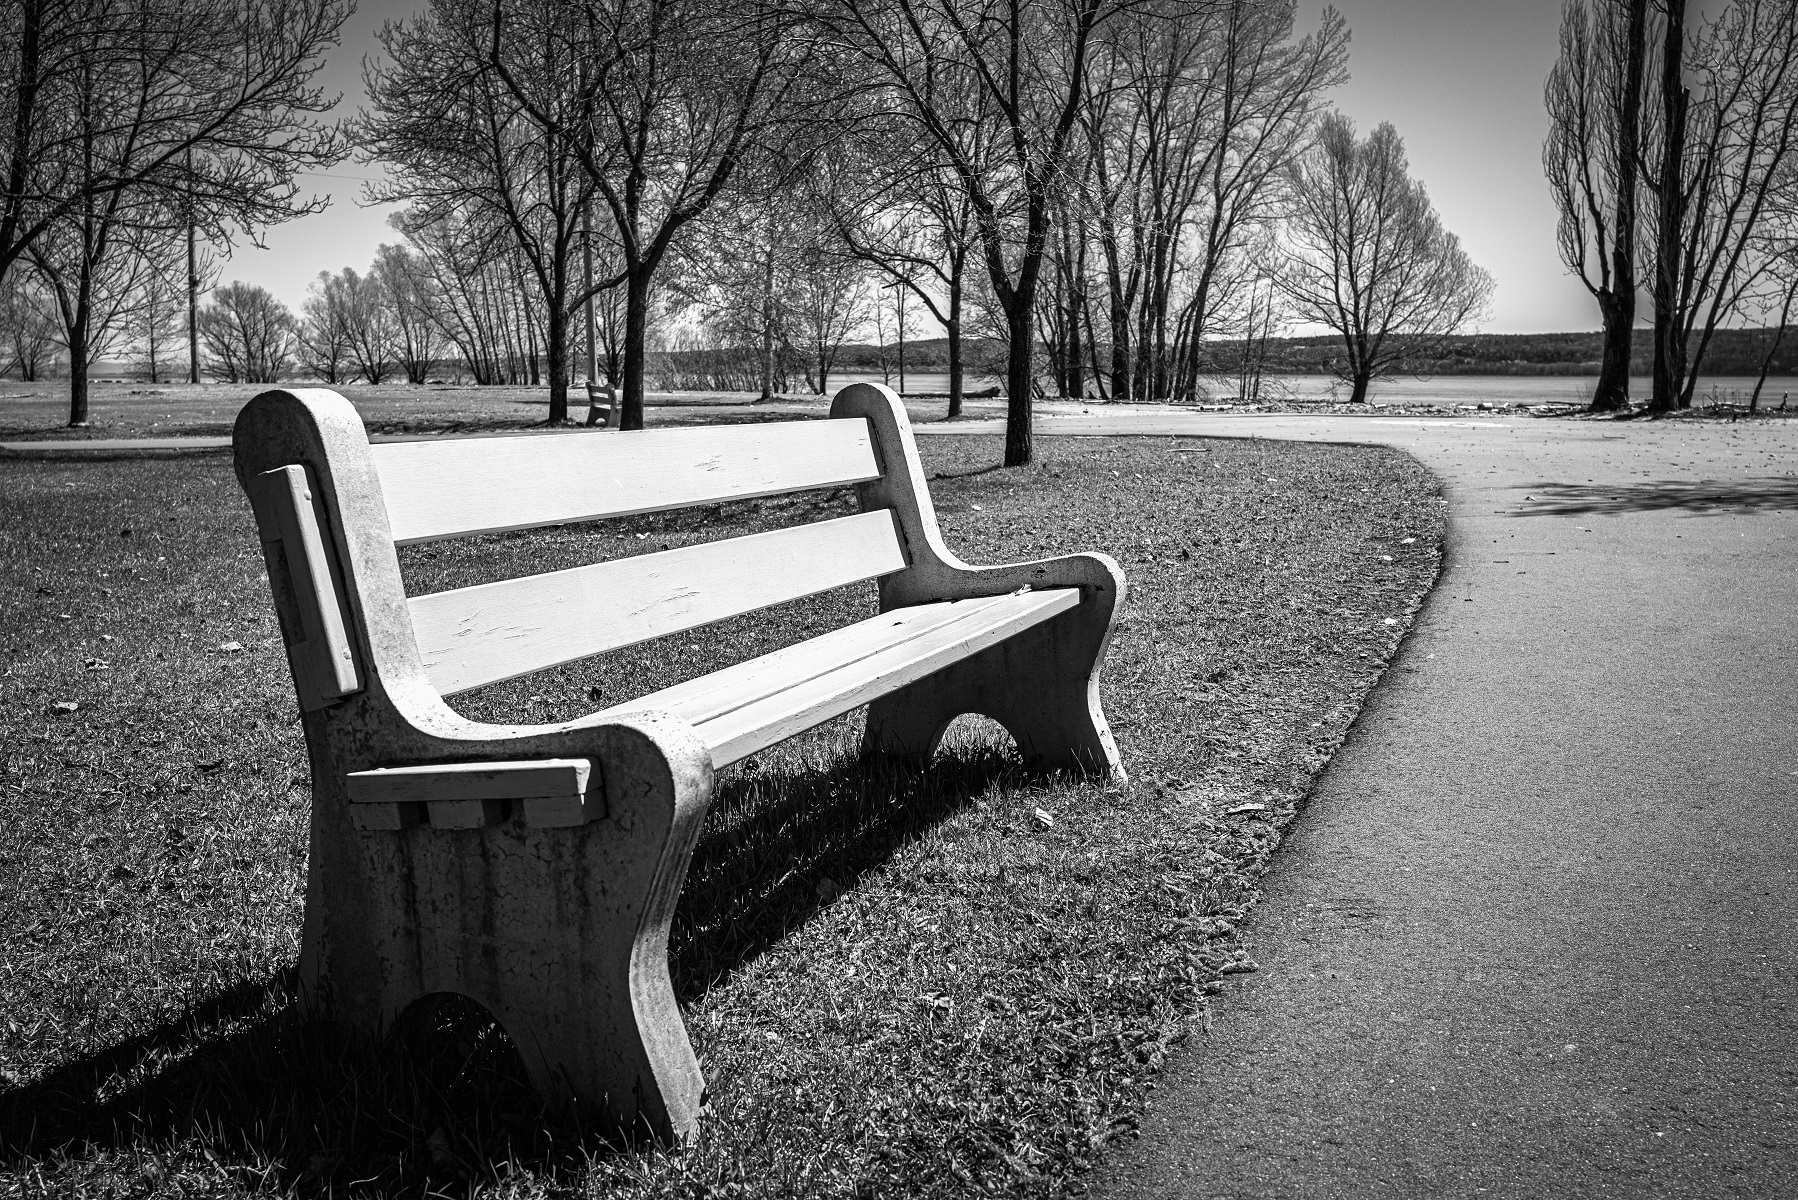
535, 868
604, 407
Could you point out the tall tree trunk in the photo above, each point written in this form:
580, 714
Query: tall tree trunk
78, 347
592, 297
1120, 347
534, 360
556, 316
1018, 381
636, 333
193, 309
1117, 313
953, 329
1362, 377
899, 294
1619, 310
1619, 307
768, 317
1076, 354
1669, 339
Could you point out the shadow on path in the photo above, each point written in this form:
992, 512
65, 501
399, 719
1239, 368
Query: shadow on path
1701, 497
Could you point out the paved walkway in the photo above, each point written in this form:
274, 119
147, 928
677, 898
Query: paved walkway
1537, 933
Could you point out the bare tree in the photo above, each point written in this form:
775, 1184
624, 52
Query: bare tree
94, 264
736, 269
1592, 158
28, 323
476, 303
1196, 110
1776, 244
153, 318
897, 208
415, 302
249, 333
322, 337
669, 99
830, 301
1367, 256
1726, 134
211, 99
488, 115
1257, 93
369, 322
972, 77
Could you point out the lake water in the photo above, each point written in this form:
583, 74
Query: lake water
1450, 389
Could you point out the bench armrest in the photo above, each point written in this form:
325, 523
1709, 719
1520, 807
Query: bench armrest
454, 773
935, 573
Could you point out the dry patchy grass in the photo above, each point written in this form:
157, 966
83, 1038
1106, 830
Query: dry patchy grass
954, 980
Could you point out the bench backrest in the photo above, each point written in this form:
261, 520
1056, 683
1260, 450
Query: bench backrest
481, 634
400, 493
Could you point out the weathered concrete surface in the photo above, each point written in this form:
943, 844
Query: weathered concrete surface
1534, 934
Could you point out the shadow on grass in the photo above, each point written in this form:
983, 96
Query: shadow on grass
1770, 494
279, 1102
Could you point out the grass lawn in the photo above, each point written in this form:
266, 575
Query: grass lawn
953, 980
40, 411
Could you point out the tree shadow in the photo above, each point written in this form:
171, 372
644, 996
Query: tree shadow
1698, 497
283, 1103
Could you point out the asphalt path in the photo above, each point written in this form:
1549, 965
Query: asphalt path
1536, 933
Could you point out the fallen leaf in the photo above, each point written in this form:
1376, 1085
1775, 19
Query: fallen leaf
1044, 818
230, 647
66, 706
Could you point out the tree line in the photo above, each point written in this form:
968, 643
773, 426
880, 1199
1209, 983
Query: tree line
132, 134
1102, 188
1671, 160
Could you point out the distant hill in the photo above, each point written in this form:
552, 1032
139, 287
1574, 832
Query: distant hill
1731, 352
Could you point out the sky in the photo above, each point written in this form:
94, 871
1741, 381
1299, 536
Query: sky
1461, 80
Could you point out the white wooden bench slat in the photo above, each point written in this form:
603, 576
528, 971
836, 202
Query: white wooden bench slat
775, 704
711, 696
451, 488
493, 631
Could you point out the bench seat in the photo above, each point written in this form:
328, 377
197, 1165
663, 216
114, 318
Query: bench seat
755, 704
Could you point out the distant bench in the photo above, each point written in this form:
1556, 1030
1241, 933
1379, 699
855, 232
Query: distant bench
535, 868
604, 408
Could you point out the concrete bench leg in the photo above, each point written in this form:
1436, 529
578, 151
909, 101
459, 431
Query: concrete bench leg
561, 934
1041, 684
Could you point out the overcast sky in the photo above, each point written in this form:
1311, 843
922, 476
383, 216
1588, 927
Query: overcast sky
1461, 80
